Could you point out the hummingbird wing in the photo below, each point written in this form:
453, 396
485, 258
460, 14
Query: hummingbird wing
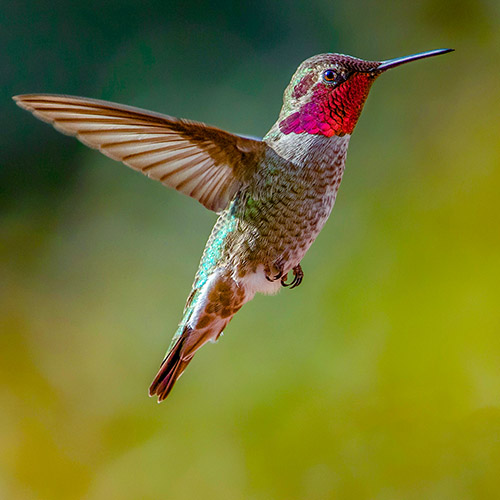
203, 162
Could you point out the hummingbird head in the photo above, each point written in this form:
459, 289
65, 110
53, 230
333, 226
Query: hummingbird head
328, 91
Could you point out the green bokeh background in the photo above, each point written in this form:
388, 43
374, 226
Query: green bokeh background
378, 378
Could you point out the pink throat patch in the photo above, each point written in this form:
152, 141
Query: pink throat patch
330, 111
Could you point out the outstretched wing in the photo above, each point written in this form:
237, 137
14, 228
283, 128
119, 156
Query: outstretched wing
203, 162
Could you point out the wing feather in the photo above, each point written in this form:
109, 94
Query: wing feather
203, 162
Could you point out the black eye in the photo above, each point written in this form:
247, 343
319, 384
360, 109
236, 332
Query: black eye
329, 75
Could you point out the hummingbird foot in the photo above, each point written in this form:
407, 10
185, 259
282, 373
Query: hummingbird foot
275, 271
298, 275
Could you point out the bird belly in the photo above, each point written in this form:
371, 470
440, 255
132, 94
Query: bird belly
257, 282
304, 229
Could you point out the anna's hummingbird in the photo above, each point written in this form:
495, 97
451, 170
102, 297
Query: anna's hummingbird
273, 196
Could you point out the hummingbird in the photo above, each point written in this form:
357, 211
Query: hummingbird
273, 196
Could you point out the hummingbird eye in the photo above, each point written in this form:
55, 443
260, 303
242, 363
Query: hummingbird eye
329, 75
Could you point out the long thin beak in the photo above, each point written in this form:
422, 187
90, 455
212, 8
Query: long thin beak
392, 63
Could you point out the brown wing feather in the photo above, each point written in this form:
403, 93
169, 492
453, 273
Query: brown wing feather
203, 162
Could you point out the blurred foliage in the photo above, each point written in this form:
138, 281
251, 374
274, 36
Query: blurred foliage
378, 378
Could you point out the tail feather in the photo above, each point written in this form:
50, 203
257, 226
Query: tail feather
170, 370
208, 311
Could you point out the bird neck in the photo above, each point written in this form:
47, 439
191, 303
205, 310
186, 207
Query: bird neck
305, 149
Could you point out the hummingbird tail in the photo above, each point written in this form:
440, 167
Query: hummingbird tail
170, 370
208, 311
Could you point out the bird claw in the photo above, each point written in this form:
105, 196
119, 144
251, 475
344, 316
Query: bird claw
274, 273
275, 277
298, 275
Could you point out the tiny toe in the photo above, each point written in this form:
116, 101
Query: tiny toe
298, 274
283, 281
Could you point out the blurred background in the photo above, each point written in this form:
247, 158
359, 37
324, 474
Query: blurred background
378, 378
